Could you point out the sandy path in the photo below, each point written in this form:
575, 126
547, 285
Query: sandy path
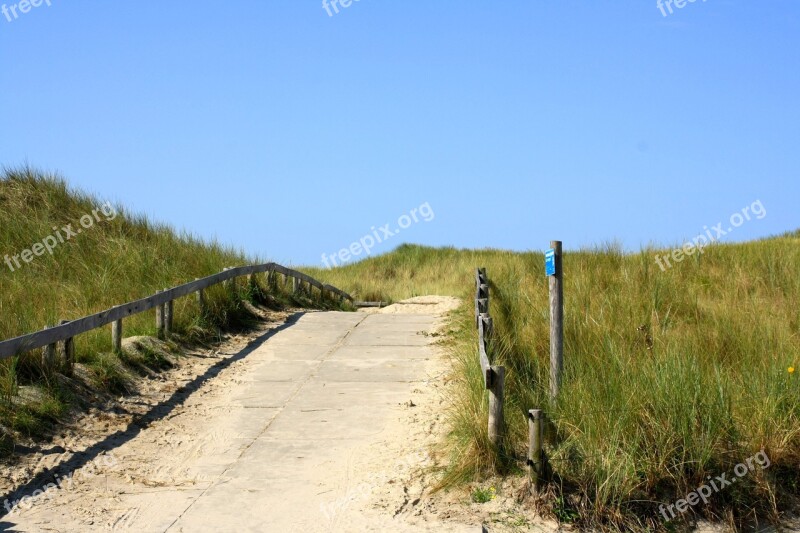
314, 427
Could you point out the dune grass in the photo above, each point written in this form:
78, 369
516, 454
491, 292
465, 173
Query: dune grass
671, 376
119, 257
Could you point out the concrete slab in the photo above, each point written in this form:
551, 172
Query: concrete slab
380, 335
276, 463
288, 352
399, 321
375, 370
278, 370
300, 335
263, 394
330, 424
320, 395
393, 353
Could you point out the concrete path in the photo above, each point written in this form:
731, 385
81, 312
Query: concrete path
287, 446
324, 388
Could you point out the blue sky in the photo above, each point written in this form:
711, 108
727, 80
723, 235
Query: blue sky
279, 129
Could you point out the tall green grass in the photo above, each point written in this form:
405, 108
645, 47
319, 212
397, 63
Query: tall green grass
119, 259
671, 376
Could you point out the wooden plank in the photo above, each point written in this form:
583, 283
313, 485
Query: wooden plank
32, 341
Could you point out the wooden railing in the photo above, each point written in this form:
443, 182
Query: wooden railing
161, 301
493, 376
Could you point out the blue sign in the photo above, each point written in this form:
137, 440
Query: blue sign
550, 262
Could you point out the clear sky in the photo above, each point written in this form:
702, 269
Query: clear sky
289, 133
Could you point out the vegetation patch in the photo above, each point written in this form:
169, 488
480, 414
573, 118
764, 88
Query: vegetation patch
671, 377
118, 257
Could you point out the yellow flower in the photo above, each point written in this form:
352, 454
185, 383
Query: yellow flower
791, 370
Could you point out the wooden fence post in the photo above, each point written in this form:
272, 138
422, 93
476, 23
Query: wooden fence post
295, 285
49, 357
231, 283
201, 300
67, 353
116, 336
160, 319
536, 462
169, 311
556, 323
496, 394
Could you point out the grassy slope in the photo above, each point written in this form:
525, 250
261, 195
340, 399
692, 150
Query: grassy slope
670, 376
119, 259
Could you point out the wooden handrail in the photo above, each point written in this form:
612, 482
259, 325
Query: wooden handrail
68, 330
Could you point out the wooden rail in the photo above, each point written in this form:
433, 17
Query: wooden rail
493, 376
161, 301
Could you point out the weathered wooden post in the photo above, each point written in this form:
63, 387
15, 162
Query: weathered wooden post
554, 271
295, 285
496, 394
485, 289
116, 336
230, 284
49, 357
68, 353
488, 328
201, 300
536, 463
481, 293
169, 312
160, 312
